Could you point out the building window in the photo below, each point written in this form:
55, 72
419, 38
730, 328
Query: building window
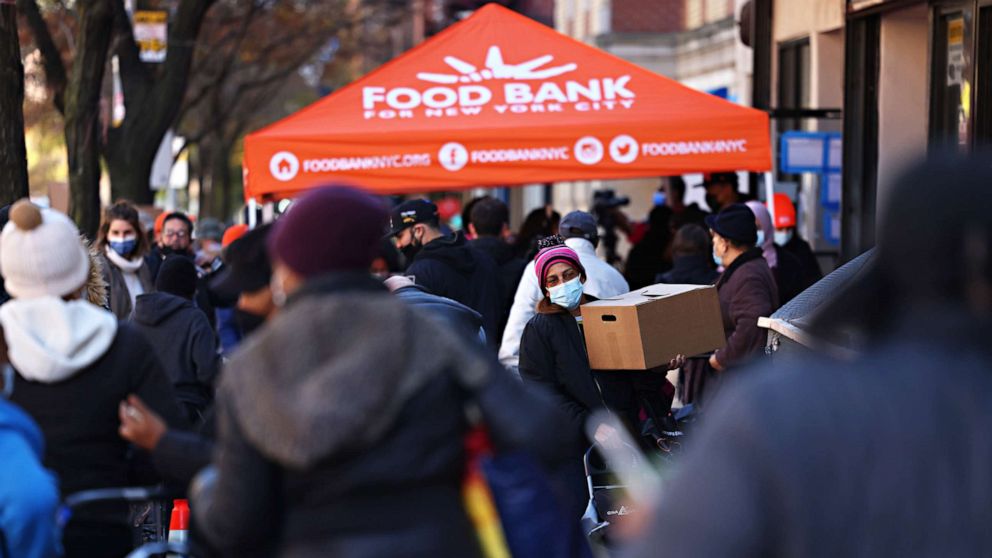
953, 80
793, 87
983, 78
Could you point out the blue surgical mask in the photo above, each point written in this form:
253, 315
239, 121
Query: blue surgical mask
783, 237
124, 248
717, 260
659, 198
567, 295
761, 238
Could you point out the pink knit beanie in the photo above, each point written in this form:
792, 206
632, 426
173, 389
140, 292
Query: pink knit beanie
552, 255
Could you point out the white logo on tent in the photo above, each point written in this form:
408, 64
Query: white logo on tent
588, 150
453, 156
496, 68
623, 149
284, 166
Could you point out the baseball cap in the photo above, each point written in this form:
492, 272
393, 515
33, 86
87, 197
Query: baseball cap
579, 224
410, 213
247, 267
718, 177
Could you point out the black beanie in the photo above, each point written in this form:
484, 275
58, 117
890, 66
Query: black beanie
735, 223
177, 276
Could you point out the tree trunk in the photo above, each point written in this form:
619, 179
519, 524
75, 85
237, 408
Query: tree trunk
222, 180
130, 169
82, 113
13, 154
152, 104
204, 174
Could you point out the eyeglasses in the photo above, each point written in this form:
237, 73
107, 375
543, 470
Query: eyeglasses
175, 234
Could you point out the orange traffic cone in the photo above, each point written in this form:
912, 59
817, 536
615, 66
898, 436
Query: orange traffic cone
179, 523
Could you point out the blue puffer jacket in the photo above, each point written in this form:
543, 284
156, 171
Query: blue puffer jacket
29, 495
459, 317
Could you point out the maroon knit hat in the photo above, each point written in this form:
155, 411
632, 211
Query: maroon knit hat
331, 228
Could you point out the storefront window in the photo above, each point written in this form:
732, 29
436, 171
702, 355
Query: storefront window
983, 78
953, 81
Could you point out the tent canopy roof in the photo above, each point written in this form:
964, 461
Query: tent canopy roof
500, 99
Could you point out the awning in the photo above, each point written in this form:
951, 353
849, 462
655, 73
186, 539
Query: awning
500, 99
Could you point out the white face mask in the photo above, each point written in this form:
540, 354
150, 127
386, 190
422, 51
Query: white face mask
761, 238
783, 237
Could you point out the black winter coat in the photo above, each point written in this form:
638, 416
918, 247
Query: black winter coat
789, 275
449, 267
511, 268
79, 418
696, 269
184, 343
337, 451
802, 250
553, 356
825, 458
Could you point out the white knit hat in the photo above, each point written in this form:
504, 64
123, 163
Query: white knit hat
41, 254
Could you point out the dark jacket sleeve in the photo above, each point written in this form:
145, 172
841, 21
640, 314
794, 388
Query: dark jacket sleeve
203, 348
180, 455
537, 366
750, 300
149, 382
236, 502
521, 417
425, 272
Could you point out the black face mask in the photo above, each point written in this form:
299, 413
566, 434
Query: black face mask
711, 201
170, 251
249, 322
411, 250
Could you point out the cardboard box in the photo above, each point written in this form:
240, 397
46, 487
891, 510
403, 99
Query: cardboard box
648, 327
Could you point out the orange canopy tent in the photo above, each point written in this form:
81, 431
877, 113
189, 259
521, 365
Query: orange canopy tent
500, 99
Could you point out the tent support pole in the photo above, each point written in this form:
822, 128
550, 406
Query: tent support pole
252, 211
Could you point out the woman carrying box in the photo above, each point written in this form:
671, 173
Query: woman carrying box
553, 354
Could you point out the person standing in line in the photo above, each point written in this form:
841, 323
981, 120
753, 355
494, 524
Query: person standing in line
180, 335
446, 264
747, 291
538, 224
721, 190
179, 454
785, 267
490, 226
348, 441
176, 238
122, 244
693, 253
881, 453
29, 494
787, 237
581, 234
73, 364
553, 356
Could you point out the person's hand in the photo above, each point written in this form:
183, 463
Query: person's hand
139, 424
715, 363
607, 436
677, 362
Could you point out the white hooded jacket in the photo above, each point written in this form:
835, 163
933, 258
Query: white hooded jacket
602, 281
50, 340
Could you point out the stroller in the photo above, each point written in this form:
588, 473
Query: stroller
150, 510
619, 479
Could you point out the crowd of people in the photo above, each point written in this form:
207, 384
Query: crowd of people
310, 384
